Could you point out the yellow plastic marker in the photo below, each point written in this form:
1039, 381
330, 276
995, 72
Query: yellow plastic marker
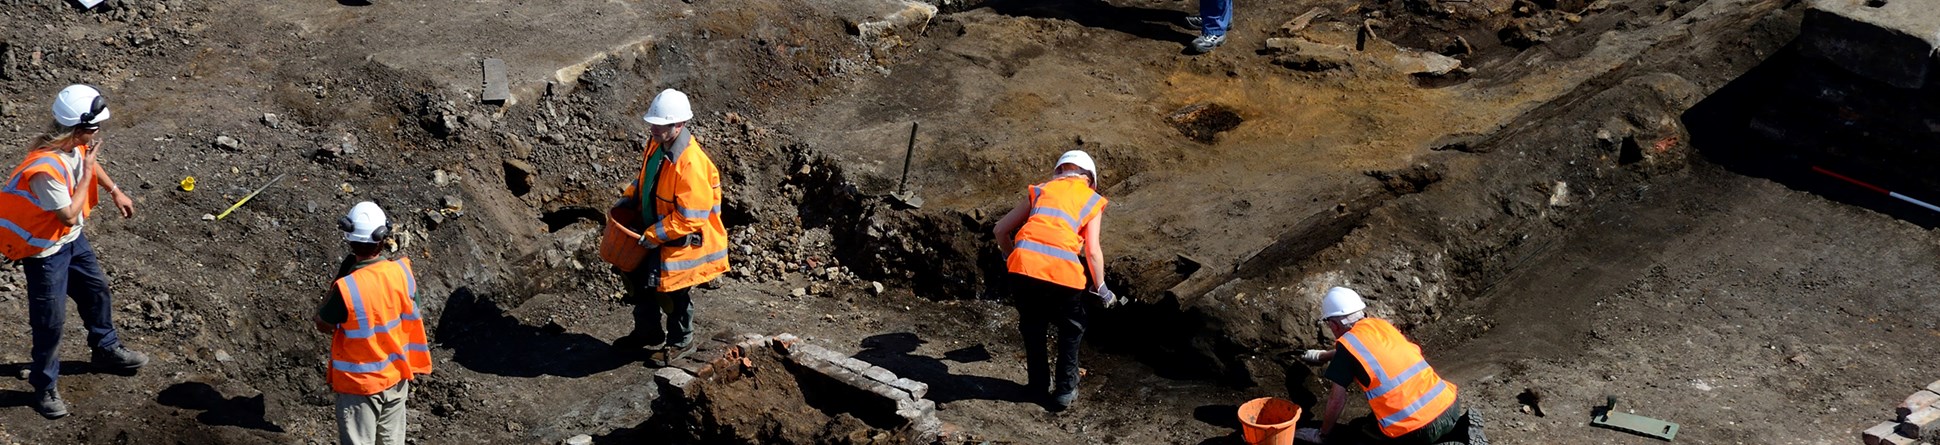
188, 183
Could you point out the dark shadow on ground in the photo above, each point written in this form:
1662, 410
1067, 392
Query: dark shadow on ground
484, 338
246, 412
1223, 416
1160, 335
896, 352
16, 399
71, 367
1148, 23
354, 2
1721, 131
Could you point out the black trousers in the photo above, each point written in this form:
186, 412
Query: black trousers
649, 304
1041, 305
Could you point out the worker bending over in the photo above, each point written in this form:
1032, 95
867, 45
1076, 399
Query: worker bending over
1411, 403
1048, 240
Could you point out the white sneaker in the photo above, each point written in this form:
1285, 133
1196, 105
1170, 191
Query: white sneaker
1205, 44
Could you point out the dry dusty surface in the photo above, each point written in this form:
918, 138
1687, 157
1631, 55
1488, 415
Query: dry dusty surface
1575, 212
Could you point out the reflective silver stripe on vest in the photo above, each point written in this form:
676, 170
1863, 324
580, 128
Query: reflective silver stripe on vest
364, 329
1084, 214
1047, 249
1053, 211
1390, 382
696, 214
15, 187
25, 235
681, 265
366, 367
1414, 406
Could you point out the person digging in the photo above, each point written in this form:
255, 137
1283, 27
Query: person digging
1412, 404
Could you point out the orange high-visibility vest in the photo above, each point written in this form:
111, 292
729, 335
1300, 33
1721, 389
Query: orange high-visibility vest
383, 341
25, 229
1049, 243
1403, 390
686, 200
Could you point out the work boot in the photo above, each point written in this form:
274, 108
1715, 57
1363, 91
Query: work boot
666, 356
50, 405
1063, 400
119, 358
1206, 43
636, 341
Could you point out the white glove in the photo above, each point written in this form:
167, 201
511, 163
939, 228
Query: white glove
1314, 357
1308, 435
1105, 297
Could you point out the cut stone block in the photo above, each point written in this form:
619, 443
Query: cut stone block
916, 410
916, 389
1874, 435
497, 89
895, 18
1892, 43
878, 374
1921, 421
1915, 402
674, 378
1935, 386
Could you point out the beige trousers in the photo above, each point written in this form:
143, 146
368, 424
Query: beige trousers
376, 419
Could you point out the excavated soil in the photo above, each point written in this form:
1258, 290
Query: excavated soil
1574, 212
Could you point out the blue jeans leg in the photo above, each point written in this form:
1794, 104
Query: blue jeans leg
46, 313
1215, 16
74, 273
88, 285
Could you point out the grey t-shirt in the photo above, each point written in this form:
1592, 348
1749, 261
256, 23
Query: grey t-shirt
55, 195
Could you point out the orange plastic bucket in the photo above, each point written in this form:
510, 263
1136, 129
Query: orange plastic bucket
619, 245
1268, 420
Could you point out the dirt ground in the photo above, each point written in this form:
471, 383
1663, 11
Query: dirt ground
1576, 212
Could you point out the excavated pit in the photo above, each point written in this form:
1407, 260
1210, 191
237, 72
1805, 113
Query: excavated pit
1459, 220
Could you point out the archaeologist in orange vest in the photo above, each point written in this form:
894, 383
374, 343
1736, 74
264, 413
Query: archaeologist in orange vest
377, 343
682, 190
48, 199
1048, 241
1411, 403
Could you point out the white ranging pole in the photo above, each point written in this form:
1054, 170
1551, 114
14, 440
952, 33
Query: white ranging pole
1881, 190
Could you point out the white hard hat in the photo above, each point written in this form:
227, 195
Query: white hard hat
1340, 301
364, 224
1081, 160
80, 105
670, 107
